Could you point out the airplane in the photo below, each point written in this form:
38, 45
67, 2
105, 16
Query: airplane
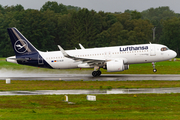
114, 59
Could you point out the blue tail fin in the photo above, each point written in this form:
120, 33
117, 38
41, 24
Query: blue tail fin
20, 44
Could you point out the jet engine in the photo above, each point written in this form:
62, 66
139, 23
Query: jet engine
116, 66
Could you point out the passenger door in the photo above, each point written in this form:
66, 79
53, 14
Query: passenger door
152, 50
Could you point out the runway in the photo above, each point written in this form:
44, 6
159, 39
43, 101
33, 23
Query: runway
88, 77
94, 92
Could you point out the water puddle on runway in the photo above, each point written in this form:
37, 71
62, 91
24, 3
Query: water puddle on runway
113, 91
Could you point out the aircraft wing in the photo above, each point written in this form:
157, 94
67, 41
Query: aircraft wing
89, 61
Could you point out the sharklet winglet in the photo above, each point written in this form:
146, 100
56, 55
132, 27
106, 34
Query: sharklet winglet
63, 52
81, 46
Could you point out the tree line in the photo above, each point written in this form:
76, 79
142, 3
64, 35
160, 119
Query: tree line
56, 24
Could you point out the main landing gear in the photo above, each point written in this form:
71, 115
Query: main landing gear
96, 73
154, 69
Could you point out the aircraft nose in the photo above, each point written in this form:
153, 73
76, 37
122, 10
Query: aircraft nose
173, 54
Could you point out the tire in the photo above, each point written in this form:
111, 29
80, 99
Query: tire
154, 70
96, 73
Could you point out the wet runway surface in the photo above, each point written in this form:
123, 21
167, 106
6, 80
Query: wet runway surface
94, 92
87, 77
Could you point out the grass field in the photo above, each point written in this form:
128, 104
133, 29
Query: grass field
107, 107
68, 85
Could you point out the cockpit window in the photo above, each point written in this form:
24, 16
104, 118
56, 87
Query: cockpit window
164, 49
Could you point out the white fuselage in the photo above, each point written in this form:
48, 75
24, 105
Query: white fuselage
132, 54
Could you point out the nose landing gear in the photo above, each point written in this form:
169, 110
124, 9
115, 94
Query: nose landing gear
154, 69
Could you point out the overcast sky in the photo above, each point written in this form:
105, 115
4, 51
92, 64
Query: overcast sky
101, 5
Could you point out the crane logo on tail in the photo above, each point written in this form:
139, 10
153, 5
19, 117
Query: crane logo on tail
21, 46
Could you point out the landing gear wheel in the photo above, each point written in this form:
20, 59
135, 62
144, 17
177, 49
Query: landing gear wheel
96, 73
154, 70
99, 72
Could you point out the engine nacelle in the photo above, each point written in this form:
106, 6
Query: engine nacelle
116, 65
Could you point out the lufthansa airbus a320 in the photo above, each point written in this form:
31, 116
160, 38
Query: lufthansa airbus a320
114, 59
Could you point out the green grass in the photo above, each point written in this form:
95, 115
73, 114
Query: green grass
66, 85
107, 107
